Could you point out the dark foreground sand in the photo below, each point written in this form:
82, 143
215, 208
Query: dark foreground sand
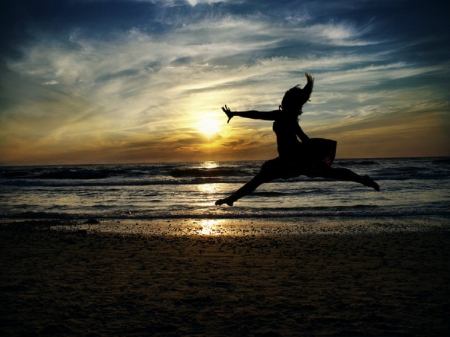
59, 283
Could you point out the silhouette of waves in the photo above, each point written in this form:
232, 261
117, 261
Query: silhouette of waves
214, 172
409, 187
356, 162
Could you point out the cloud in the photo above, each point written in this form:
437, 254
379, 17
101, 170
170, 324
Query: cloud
195, 2
152, 77
52, 82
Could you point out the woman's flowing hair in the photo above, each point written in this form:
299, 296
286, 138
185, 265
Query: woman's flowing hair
296, 97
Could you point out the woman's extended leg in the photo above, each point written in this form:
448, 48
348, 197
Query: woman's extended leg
248, 188
348, 175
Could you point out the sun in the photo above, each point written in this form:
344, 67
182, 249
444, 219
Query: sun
208, 127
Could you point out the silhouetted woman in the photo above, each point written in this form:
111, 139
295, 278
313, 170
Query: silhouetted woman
310, 157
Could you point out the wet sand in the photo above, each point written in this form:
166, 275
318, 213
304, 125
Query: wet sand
89, 283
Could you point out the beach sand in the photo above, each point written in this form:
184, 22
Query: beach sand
90, 283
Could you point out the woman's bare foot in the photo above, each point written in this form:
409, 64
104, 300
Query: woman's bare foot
227, 201
367, 181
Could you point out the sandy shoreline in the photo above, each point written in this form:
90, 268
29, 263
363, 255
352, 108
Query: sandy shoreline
92, 283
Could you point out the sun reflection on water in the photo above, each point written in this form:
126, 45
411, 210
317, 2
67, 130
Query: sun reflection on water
209, 164
207, 188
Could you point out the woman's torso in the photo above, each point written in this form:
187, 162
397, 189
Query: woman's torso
285, 129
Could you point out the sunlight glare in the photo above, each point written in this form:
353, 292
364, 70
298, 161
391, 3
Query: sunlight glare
208, 127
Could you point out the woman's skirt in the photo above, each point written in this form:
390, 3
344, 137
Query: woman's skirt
312, 159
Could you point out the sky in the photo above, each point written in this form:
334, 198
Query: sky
135, 81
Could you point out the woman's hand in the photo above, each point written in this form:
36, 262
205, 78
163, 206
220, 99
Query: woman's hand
228, 112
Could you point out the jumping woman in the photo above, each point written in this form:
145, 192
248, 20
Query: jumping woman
311, 157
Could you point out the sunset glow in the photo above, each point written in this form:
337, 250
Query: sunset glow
209, 127
144, 81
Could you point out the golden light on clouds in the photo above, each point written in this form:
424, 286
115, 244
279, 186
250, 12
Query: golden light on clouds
151, 89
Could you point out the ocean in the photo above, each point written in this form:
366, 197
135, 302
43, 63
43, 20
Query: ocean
409, 187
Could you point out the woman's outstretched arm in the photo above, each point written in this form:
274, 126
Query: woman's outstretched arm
253, 114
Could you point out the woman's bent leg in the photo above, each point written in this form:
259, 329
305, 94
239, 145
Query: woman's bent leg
348, 175
248, 188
